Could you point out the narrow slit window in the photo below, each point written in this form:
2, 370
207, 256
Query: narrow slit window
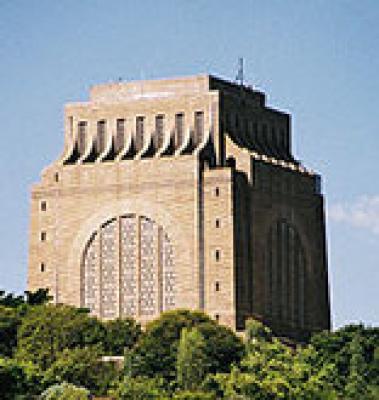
120, 135
179, 129
217, 222
56, 177
101, 131
199, 126
82, 137
217, 317
217, 191
217, 255
159, 131
43, 205
140, 128
42, 267
217, 286
43, 236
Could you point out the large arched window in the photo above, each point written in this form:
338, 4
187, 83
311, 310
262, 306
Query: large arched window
285, 275
128, 269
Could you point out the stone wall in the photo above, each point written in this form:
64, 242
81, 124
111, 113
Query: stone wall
194, 200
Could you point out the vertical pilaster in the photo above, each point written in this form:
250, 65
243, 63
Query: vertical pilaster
98, 263
291, 311
200, 236
156, 268
138, 265
118, 266
160, 270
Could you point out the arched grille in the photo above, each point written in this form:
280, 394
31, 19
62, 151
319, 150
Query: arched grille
128, 269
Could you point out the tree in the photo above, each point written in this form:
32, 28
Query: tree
272, 370
12, 379
18, 380
47, 330
82, 367
40, 296
9, 321
65, 391
37, 298
155, 353
191, 364
356, 387
256, 331
190, 395
372, 393
335, 347
12, 309
10, 300
121, 334
140, 389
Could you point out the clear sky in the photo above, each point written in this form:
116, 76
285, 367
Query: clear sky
318, 60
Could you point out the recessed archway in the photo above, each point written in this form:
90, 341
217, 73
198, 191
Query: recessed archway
285, 275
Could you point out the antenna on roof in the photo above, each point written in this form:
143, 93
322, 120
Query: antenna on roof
239, 76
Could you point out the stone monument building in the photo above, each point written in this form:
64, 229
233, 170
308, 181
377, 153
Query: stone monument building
181, 193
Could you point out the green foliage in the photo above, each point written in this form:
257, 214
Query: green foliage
372, 393
183, 355
121, 334
47, 330
191, 365
255, 330
337, 348
39, 297
198, 395
18, 379
82, 367
10, 300
13, 380
271, 370
65, 391
9, 321
355, 388
140, 389
12, 309
155, 353
223, 346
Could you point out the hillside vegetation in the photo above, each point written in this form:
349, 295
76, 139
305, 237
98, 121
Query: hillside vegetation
55, 352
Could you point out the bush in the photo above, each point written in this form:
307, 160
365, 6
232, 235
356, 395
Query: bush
18, 379
155, 353
121, 334
186, 395
191, 364
9, 322
82, 367
140, 389
65, 391
47, 330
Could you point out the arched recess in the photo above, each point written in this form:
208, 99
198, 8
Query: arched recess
127, 269
285, 275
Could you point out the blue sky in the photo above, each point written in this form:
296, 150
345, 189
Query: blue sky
318, 60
